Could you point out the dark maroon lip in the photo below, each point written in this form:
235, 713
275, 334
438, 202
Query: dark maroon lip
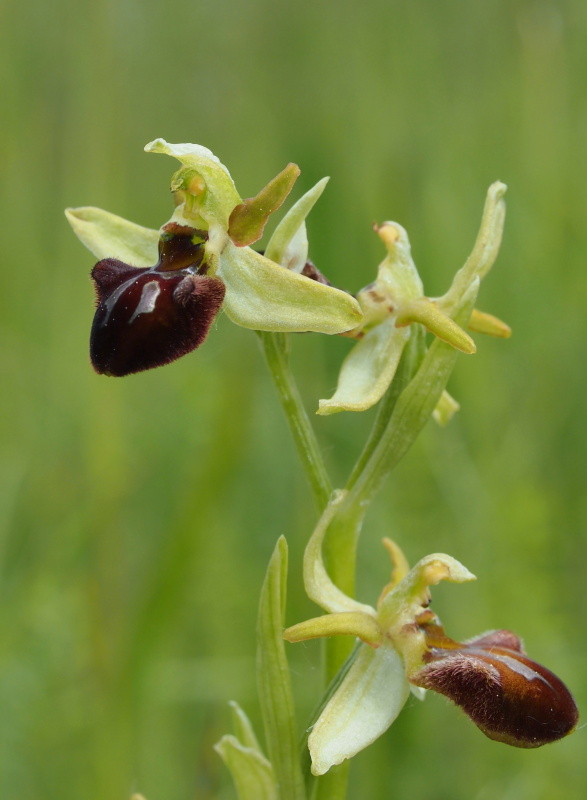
150, 316
109, 302
510, 697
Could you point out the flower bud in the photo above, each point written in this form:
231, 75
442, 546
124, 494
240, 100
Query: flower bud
511, 698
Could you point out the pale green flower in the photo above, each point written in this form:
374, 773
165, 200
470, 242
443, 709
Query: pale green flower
396, 301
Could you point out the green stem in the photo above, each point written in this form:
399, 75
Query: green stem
275, 349
407, 407
333, 785
411, 411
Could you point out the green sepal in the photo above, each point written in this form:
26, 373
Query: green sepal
397, 276
274, 682
251, 771
264, 296
368, 700
220, 197
248, 219
107, 235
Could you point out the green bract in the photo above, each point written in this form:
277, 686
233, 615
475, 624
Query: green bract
260, 293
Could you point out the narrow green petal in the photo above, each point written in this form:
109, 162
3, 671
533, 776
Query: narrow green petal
368, 369
252, 773
346, 623
288, 245
481, 322
221, 195
108, 236
264, 296
365, 704
248, 219
427, 313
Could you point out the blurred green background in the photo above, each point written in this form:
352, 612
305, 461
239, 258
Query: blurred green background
137, 515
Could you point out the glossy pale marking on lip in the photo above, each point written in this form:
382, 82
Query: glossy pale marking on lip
147, 317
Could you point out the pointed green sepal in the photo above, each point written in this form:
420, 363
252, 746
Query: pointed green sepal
288, 245
107, 235
264, 296
397, 276
214, 202
251, 771
248, 219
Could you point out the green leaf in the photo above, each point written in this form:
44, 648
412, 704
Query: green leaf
242, 727
445, 409
264, 296
273, 680
108, 236
250, 770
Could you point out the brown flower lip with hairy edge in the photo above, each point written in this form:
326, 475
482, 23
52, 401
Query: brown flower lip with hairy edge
510, 698
148, 317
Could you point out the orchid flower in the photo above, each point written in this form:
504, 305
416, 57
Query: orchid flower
158, 291
396, 301
403, 648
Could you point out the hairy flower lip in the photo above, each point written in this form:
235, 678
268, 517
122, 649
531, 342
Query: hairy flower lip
511, 698
150, 316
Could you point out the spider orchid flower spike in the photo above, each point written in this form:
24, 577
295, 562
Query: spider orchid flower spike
395, 302
159, 291
403, 648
